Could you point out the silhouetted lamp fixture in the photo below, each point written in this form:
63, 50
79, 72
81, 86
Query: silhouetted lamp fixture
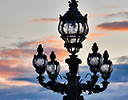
53, 67
73, 28
40, 61
95, 59
106, 67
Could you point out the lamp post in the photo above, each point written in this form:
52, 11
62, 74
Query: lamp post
73, 28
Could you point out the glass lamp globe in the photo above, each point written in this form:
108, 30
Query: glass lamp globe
53, 69
95, 63
39, 62
40, 65
106, 70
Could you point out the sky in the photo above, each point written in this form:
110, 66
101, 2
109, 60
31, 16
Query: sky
26, 23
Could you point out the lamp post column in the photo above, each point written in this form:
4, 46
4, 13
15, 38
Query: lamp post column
73, 92
73, 63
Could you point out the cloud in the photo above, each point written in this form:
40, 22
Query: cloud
17, 53
44, 40
95, 15
18, 78
93, 36
10, 68
43, 20
120, 14
121, 60
97, 35
9, 82
28, 48
61, 54
117, 91
17, 62
110, 6
115, 26
9, 62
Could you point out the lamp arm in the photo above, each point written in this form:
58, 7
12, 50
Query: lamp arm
105, 85
41, 81
98, 89
92, 87
90, 84
54, 86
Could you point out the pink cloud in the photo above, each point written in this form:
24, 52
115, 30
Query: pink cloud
43, 20
16, 53
97, 35
121, 14
110, 6
93, 36
11, 68
61, 53
10, 62
17, 62
46, 40
93, 16
7, 68
8, 82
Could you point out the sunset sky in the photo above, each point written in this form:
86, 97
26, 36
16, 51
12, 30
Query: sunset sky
26, 23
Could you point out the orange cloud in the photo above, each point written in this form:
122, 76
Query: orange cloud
16, 63
6, 62
97, 35
93, 36
46, 40
110, 6
61, 54
115, 26
43, 20
121, 14
101, 15
16, 53
10, 68
10, 74
8, 82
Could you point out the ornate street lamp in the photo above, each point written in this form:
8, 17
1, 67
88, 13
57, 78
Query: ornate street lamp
106, 67
40, 61
53, 67
73, 28
94, 59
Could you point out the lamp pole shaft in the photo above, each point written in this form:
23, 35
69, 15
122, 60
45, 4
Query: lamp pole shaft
73, 91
